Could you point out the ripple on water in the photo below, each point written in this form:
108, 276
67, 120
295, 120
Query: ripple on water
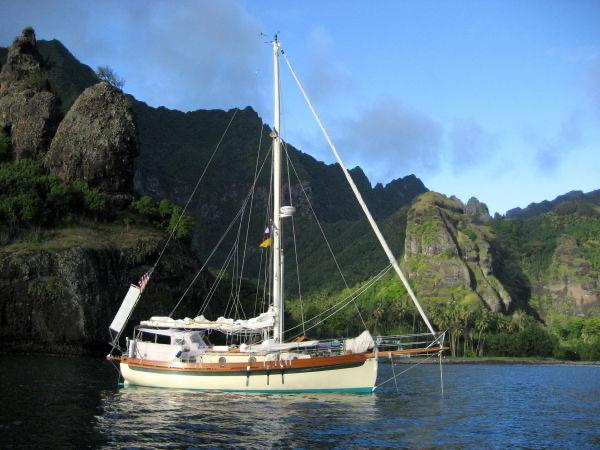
73, 402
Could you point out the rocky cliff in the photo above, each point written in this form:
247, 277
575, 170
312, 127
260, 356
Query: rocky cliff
59, 294
572, 286
62, 278
449, 252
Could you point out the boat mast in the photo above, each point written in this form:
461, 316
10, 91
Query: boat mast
277, 293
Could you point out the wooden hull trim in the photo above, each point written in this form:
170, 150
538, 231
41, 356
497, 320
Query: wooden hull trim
408, 352
245, 367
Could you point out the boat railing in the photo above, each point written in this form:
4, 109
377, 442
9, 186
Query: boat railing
408, 345
394, 345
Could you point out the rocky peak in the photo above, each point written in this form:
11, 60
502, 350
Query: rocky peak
478, 210
97, 141
457, 200
450, 255
23, 63
28, 110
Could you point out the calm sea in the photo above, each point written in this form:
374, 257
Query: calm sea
75, 403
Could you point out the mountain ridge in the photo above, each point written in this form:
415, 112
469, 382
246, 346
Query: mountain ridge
542, 261
537, 208
69, 77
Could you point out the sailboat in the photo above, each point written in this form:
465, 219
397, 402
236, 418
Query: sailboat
260, 359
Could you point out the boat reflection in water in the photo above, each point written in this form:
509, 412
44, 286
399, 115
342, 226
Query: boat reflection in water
140, 416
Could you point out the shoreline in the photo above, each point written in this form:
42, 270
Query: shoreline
531, 360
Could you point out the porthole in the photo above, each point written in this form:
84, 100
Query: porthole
222, 361
252, 359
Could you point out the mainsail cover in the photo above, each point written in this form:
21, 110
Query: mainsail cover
131, 298
265, 320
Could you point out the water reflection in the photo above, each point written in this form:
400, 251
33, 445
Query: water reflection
250, 420
74, 403
48, 401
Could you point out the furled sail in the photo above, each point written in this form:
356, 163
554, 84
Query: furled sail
131, 298
263, 321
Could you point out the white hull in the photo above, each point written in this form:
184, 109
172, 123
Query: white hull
356, 378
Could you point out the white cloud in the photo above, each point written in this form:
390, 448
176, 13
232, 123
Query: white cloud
390, 139
185, 55
550, 152
470, 145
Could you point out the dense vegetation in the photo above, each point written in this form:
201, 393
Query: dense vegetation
473, 330
562, 244
31, 198
165, 215
533, 241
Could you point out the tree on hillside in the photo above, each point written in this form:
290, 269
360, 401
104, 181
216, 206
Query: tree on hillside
105, 73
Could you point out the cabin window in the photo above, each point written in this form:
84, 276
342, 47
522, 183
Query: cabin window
252, 359
222, 361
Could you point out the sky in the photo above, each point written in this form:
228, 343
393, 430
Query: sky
494, 99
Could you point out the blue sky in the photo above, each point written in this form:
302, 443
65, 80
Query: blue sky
496, 99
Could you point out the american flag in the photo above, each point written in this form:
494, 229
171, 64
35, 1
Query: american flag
144, 280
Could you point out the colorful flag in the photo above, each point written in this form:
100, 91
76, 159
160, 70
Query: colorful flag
266, 243
144, 280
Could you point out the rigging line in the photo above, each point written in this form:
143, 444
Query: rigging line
352, 299
206, 262
268, 252
346, 300
404, 371
264, 253
221, 238
394, 373
234, 268
236, 301
218, 280
267, 281
323, 233
215, 284
195, 189
317, 220
294, 234
362, 203
221, 274
258, 282
251, 203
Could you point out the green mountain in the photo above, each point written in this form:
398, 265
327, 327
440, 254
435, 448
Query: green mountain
491, 282
174, 148
559, 251
536, 209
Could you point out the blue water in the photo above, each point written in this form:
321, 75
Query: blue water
75, 403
